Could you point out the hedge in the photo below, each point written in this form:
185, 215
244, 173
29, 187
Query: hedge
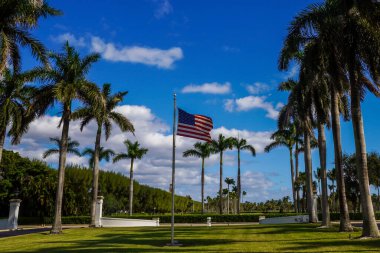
202, 218
49, 220
185, 218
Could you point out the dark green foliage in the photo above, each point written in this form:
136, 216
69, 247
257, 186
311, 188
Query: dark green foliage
202, 218
36, 183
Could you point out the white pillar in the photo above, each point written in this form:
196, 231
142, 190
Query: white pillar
98, 211
14, 207
315, 196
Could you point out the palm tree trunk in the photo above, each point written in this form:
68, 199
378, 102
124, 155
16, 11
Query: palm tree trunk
238, 184
131, 188
221, 183
298, 209
309, 179
95, 179
203, 185
228, 199
345, 224
370, 228
322, 159
293, 178
2, 140
57, 224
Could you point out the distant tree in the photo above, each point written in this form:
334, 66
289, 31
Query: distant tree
72, 147
104, 154
241, 144
133, 152
203, 151
219, 146
229, 181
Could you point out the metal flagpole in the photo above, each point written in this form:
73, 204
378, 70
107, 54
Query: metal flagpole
173, 168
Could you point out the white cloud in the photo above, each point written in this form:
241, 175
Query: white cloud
164, 8
73, 41
208, 88
135, 54
252, 102
155, 168
291, 73
257, 88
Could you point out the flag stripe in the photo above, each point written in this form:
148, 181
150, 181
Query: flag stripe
195, 136
194, 126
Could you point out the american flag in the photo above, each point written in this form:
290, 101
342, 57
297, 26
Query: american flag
194, 126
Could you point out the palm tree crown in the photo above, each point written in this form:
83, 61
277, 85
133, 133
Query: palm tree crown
17, 18
72, 147
104, 154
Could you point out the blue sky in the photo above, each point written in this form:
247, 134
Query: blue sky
220, 57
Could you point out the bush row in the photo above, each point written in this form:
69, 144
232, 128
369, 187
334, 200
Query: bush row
185, 218
49, 220
202, 218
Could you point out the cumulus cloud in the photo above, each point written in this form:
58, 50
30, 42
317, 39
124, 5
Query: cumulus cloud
164, 8
161, 58
257, 88
208, 88
252, 102
73, 41
155, 134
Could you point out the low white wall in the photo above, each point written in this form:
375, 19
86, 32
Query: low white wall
286, 219
118, 222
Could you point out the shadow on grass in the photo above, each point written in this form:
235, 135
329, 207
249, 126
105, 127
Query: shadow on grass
373, 244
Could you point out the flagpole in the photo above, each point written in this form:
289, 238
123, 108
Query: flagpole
173, 168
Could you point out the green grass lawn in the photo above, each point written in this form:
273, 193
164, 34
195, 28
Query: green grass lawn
255, 238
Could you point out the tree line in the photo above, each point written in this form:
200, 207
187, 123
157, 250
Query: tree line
34, 182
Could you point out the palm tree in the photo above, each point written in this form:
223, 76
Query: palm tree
287, 138
14, 102
229, 181
72, 147
351, 58
241, 144
298, 106
320, 57
133, 152
103, 114
219, 146
203, 151
17, 19
300, 184
243, 195
104, 154
65, 82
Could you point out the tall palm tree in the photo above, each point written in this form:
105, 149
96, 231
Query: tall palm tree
360, 52
104, 154
72, 147
103, 114
219, 146
287, 138
229, 181
133, 152
15, 98
241, 144
64, 83
298, 106
203, 151
17, 19
323, 59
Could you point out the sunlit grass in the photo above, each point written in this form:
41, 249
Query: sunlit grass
255, 238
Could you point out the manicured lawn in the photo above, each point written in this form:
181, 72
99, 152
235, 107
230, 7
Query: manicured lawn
255, 238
